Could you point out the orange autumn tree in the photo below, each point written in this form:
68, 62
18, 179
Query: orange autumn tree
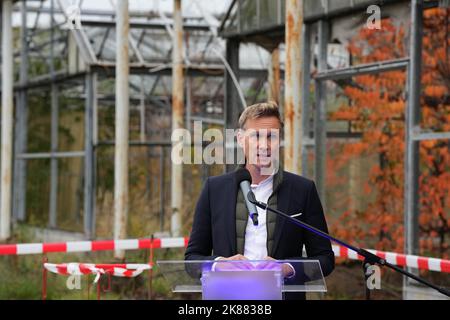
435, 156
376, 109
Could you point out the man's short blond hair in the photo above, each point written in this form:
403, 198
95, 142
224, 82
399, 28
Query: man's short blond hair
260, 110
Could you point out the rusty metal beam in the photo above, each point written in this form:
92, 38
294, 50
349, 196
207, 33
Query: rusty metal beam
320, 121
293, 75
273, 78
306, 108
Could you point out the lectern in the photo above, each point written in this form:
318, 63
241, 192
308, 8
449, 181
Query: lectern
243, 280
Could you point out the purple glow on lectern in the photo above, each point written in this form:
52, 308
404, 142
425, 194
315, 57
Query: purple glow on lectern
242, 281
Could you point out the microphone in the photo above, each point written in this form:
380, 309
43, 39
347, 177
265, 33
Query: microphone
244, 179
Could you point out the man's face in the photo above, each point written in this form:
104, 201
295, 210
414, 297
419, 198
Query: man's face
260, 140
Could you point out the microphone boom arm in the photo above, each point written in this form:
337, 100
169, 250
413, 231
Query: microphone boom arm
368, 256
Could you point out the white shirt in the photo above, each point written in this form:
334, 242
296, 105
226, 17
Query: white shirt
255, 247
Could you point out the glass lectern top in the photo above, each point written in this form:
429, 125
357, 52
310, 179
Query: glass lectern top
190, 276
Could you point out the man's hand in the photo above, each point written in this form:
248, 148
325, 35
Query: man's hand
223, 265
235, 257
286, 268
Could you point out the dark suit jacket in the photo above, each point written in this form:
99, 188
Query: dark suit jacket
214, 226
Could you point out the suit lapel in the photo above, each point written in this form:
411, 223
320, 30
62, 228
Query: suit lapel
283, 198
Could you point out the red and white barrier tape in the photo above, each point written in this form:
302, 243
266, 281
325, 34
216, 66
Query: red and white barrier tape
418, 262
399, 259
87, 246
74, 269
117, 270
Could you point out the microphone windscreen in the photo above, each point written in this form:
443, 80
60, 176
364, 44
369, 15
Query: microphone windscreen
243, 174
251, 197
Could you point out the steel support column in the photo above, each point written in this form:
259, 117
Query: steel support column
232, 104
412, 117
89, 156
292, 89
320, 121
7, 120
306, 108
273, 79
21, 129
177, 117
54, 101
122, 125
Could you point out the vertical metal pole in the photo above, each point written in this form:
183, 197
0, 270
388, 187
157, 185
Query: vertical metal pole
54, 129
411, 196
258, 14
238, 14
122, 123
353, 186
292, 90
44, 278
306, 109
177, 116
142, 111
94, 150
54, 160
274, 76
279, 12
95, 113
148, 177
7, 120
231, 103
320, 113
21, 129
161, 188
188, 104
89, 156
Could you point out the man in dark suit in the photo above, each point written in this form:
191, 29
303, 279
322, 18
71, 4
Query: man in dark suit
222, 228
